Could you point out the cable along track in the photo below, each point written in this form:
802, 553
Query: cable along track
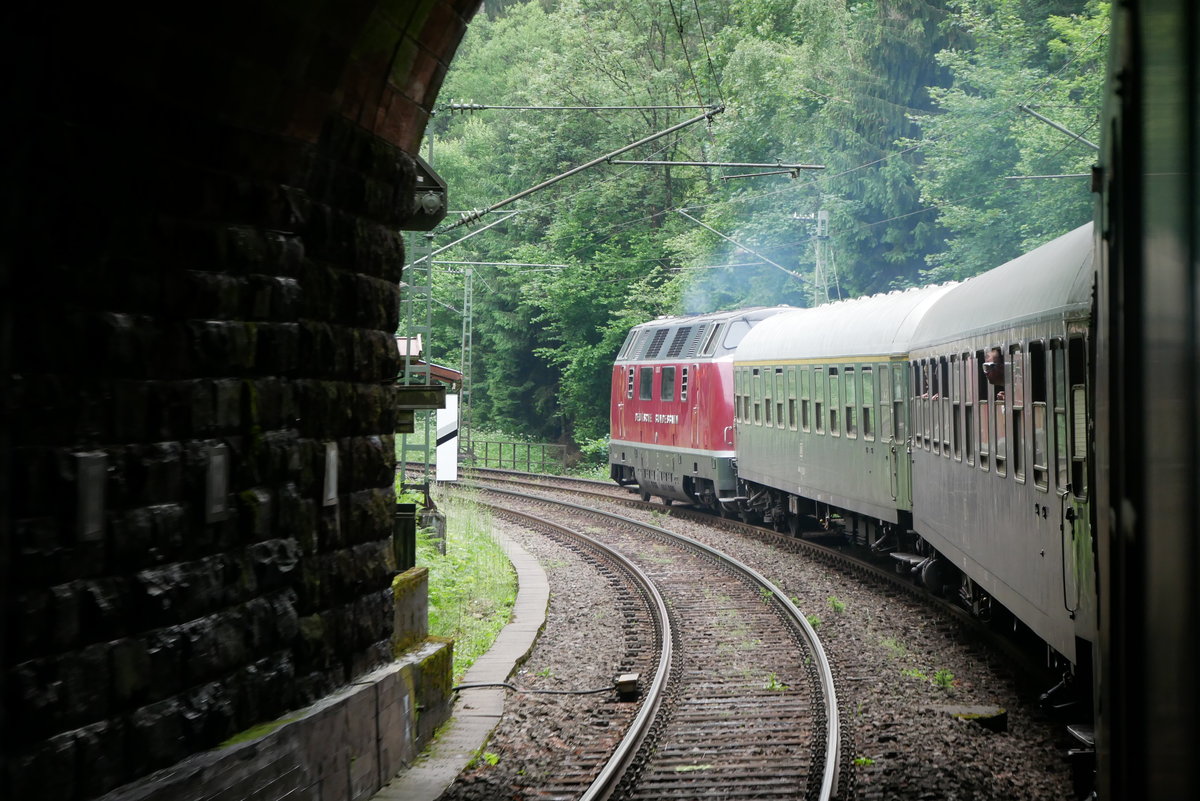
743, 702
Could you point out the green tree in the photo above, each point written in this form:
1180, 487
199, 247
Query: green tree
979, 136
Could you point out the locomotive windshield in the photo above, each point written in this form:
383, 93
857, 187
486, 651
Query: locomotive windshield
737, 330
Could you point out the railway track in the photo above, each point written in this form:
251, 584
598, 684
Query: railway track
741, 700
873, 567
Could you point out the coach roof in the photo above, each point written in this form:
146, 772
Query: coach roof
878, 325
1054, 280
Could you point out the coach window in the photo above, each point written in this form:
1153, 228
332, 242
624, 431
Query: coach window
629, 383
868, 403
984, 395
1077, 375
711, 340
1016, 399
819, 398
948, 432
666, 385
768, 382
899, 420
1037, 397
805, 399
835, 401
914, 403
1058, 355
924, 381
1000, 423
927, 407
756, 395
886, 403
780, 396
792, 394
934, 395
851, 400
645, 383
968, 370
956, 407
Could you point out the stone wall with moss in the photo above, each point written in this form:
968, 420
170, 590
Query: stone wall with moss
199, 274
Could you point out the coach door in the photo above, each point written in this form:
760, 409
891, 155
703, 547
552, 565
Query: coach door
888, 439
1071, 467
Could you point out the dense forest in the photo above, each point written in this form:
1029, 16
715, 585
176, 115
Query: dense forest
922, 115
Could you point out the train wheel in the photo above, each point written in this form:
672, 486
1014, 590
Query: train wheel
645, 496
726, 512
666, 501
793, 525
934, 576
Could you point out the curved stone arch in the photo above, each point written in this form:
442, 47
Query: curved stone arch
200, 255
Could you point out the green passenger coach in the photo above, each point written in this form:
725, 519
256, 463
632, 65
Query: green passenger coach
820, 406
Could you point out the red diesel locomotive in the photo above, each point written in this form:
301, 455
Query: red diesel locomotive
672, 407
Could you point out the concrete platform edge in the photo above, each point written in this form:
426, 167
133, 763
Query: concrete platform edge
477, 711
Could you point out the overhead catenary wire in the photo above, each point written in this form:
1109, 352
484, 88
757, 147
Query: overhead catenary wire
485, 107
746, 248
575, 170
707, 54
750, 197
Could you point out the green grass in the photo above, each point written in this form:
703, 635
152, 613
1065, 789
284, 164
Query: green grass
472, 587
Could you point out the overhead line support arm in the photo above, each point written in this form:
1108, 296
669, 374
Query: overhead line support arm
475, 215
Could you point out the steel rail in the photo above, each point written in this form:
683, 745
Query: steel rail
831, 769
610, 775
902, 582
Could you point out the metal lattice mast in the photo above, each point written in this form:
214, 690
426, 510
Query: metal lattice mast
416, 320
821, 272
464, 392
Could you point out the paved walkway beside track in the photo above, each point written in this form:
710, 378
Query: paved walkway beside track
477, 711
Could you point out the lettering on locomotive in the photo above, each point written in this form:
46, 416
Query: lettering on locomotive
647, 417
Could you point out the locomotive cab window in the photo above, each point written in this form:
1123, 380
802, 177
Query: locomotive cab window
737, 330
645, 383
666, 386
